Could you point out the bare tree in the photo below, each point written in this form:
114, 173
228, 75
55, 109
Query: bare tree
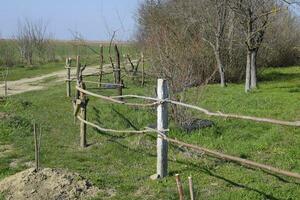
32, 37
213, 26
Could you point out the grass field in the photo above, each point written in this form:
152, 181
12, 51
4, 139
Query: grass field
123, 163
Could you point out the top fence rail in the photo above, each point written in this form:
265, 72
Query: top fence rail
157, 101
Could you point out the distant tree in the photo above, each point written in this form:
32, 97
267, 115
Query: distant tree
32, 37
254, 18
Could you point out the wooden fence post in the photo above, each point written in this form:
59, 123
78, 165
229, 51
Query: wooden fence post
37, 146
143, 69
118, 71
101, 65
162, 126
179, 187
68, 67
83, 127
5, 75
5, 88
191, 188
78, 69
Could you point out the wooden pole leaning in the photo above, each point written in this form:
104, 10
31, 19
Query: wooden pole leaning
179, 187
118, 71
162, 126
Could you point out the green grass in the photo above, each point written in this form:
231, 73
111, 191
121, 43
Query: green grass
20, 72
125, 162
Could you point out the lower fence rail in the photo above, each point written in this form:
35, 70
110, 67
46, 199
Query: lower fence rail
162, 129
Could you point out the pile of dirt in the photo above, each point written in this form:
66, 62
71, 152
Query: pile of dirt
51, 184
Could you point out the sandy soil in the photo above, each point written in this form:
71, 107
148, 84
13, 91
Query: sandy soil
51, 184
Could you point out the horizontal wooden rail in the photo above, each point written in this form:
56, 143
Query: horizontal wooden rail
107, 98
219, 114
112, 84
203, 110
223, 156
113, 130
209, 152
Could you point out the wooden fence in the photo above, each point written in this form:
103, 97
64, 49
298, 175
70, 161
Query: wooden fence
4, 80
161, 103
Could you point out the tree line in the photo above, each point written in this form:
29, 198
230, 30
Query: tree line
31, 44
192, 42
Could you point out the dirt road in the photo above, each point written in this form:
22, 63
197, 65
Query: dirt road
40, 82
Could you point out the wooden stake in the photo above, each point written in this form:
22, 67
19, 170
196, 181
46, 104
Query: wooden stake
83, 116
118, 71
143, 69
162, 126
101, 65
68, 67
5, 82
5, 88
179, 187
191, 188
36, 147
78, 66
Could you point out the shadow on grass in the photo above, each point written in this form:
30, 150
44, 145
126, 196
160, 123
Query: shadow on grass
279, 76
207, 171
192, 166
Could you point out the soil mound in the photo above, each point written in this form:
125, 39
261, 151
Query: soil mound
51, 184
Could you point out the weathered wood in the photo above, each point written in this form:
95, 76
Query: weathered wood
101, 66
68, 68
78, 66
83, 126
131, 63
143, 69
36, 147
226, 157
162, 126
5, 88
5, 75
118, 71
116, 99
179, 187
191, 188
224, 115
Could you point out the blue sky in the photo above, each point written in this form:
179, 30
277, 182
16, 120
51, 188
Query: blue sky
94, 19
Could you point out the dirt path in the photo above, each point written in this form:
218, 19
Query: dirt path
40, 82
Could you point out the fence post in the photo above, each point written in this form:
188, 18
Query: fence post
191, 188
5, 88
162, 126
179, 187
101, 65
36, 156
68, 67
118, 72
143, 69
83, 106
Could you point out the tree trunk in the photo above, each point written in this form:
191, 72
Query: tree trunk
253, 84
221, 69
219, 62
248, 72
